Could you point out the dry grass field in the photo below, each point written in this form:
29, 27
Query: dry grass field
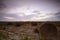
29, 30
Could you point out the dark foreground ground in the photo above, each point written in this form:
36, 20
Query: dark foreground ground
29, 30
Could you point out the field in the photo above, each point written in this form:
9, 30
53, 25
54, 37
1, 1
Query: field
29, 31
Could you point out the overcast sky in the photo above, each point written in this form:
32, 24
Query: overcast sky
29, 10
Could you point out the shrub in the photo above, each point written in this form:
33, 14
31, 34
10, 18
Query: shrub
27, 37
3, 35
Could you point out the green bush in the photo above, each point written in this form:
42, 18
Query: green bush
3, 35
27, 37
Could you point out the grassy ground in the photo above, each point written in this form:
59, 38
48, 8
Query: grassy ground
16, 27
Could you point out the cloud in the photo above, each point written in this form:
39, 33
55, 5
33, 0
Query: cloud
9, 18
30, 10
36, 17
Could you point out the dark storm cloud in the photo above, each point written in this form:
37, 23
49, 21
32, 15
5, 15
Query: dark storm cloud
1, 16
57, 13
57, 1
56, 17
2, 5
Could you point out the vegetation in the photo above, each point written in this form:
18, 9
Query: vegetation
3, 35
22, 23
27, 37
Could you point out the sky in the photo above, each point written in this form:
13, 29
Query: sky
29, 10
